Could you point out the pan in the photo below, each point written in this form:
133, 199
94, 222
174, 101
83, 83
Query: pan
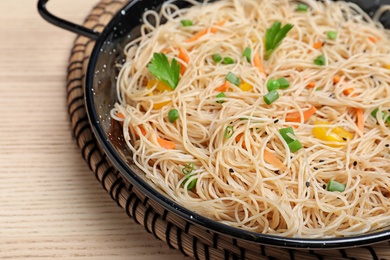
100, 97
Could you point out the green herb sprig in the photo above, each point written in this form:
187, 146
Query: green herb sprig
167, 73
274, 36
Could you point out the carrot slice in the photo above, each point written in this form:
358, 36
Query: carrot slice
166, 144
348, 91
311, 84
272, 159
120, 115
318, 45
336, 79
258, 63
225, 86
183, 55
359, 118
373, 39
296, 117
213, 29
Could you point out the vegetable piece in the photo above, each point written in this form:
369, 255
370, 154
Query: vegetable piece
247, 54
233, 79
284, 84
169, 145
373, 39
165, 72
227, 60
186, 22
311, 84
295, 146
296, 116
160, 105
335, 186
318, 45
217, 58
332, 35
374, 113
160, 86
337, 134
192, 184
273, 84
244, 86
336, 79
302, 7
320, 60
272, 159
348, 91
258, 64
221, 97
183, 55
213, 29
229, 131
188, 169
173, 115
225, 86
274, 36
286, 132
360, 118
271, 97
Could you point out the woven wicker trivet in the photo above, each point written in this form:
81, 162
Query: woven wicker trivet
191, 240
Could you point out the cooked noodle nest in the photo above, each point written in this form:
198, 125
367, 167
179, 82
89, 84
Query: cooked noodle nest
226, 143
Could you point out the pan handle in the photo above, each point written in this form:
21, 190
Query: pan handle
81, 30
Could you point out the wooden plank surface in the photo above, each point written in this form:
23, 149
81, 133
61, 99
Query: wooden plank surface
51, 205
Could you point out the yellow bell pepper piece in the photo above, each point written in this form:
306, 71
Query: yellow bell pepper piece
160, 87
244, 86
337, 134
386, 66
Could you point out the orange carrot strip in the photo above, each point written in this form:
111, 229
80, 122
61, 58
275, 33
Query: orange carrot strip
120, 115
296, 117
336, 79
166, 144
359, 118
223, 87
373, 39
318, 45
238, 137
213, 29
311, 84
183, 55
348, 91
258, 63
272, 159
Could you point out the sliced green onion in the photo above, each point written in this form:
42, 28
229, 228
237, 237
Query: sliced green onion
284, 133
189, 168
229, 131
217, 58
374, 113
335, 186
273, 85
247, 54
221, 97
294, 146
284, 84
320, 60
227, 61
302, 8
331, 35
271, 97
233, 79
186, 23
190, 185
173, 115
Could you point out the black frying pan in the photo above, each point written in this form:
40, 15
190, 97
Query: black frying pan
100, 96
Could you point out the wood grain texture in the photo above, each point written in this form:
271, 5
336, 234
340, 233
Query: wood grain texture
51, 205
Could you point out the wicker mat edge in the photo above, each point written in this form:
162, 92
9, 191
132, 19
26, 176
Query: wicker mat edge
189, 239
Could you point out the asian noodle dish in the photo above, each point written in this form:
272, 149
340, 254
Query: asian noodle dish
272, 116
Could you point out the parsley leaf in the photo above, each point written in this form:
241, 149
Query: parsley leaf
274, 36
163, 71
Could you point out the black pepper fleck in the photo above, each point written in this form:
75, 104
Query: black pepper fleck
387, 145
277, 171
345, 139
231, 170
321, 161
315, 168
307, 184
354, 163
324, 186
277, 120
332, 95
